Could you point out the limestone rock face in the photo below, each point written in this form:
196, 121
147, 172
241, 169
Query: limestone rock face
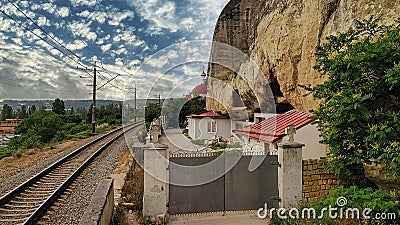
280, 36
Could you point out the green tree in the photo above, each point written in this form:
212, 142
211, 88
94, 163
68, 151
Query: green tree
44, 124
177, 109
172, 109
22, 113
359, 114
31, 110
58, 107
152, 111
192, 106
7, 112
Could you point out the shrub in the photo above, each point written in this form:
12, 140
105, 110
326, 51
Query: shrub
349, 198
358, 115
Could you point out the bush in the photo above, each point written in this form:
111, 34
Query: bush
358, 115
43, 128
5, 152
119, 217
349, 198
218, 145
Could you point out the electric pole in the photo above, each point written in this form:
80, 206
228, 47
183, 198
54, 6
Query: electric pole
134, 110
94, 100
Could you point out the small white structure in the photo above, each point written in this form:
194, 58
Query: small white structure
207, 124
266, 135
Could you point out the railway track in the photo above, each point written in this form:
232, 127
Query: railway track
30, 200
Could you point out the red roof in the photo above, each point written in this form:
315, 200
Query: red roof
273, 129
200, 90
207, 113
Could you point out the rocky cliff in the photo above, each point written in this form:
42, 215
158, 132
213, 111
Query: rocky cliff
280, 36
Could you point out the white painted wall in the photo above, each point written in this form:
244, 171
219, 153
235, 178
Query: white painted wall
309, 135
155, 196
192, 128
198, 128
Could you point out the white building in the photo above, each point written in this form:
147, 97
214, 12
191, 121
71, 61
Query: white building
207, 124
265, 136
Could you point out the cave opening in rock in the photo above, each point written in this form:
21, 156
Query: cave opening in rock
282, 105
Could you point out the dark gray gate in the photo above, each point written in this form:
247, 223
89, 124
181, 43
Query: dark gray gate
238, 189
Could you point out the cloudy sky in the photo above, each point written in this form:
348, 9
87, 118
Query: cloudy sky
158, 45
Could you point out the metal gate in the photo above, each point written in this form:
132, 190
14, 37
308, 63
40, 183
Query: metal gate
237, 189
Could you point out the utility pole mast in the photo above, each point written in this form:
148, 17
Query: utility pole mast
94, 100
134, 110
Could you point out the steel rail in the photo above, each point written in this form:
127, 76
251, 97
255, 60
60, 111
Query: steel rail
41, 209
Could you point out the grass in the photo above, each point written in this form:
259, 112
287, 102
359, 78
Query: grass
25, 142
199, 142
132, 192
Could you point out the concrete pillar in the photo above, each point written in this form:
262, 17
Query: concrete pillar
290, 173
155, 196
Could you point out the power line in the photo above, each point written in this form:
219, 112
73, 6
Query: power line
112, 85
112, 78
60, 44
59, 15
102, 66
41, 38
47, 34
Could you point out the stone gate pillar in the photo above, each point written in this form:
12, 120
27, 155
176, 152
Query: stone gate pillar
290, 173
155, 196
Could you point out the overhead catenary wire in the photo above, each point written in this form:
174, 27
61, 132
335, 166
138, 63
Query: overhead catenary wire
47, 34
112, 85
40, 37
108, 81
109, 73
112, 78
59, 15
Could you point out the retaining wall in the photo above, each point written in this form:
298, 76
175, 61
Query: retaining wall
317, 184
101, 207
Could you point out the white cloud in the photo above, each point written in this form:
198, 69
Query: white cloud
82, 30
98, 16
43, 21
41, 76
24, 3
84, 2
118, 17
134, 62
119, 62
124, 47
76, 45
106, 47
188, 23
163, 60
63, 11
121, 50
161, 14
17, 41
91, 36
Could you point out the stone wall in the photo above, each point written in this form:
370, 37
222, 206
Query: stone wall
317, 184
100, 209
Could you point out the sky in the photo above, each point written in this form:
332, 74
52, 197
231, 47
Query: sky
48, 48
